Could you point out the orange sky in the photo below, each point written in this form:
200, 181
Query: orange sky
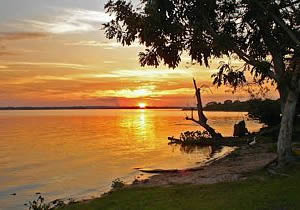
56, 55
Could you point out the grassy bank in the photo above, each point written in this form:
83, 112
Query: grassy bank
259, 191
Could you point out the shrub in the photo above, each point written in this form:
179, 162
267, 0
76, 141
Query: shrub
117, 184
38, 204
265, 111
194, 136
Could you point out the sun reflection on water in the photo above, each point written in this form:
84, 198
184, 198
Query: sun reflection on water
72, 152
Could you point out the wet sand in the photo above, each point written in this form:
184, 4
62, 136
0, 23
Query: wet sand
233, 167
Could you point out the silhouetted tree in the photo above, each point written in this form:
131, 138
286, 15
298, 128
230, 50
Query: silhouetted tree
262, 33
228, 102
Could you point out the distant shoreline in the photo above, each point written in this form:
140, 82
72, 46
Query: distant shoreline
83, 107
116, 108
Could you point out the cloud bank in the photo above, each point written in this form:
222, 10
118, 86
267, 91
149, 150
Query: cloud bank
71, 21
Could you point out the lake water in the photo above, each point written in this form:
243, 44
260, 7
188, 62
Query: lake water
77, 153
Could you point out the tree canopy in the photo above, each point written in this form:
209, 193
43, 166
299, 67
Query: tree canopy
262, 33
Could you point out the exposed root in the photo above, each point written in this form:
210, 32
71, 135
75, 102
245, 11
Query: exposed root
272, 163
273, 172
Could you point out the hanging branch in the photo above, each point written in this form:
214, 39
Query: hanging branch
202, 121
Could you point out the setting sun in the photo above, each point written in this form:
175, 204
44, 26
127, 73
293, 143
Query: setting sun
142, 105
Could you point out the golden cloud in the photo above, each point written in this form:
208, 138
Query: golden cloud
13, 36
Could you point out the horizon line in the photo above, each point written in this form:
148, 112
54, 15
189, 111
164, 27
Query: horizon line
86, 107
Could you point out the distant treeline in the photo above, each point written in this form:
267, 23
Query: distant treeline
265, 111
238, 106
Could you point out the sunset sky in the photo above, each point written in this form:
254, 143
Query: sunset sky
53, 53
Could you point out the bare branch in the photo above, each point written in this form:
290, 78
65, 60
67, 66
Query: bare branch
202, 121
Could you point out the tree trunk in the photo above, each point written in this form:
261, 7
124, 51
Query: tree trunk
283, 94
211, 131
202, 121
284, 145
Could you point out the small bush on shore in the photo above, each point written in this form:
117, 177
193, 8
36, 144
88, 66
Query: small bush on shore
38, 204
117, 184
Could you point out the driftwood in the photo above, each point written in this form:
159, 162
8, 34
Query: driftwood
158, 171
161, 171
202, 120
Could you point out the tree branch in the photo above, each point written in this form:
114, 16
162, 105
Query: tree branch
242, 55
202, 119
289, 32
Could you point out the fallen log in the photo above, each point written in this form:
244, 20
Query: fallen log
160, 171
225, 141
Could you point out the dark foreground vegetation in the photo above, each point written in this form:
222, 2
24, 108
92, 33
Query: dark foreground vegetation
260, 191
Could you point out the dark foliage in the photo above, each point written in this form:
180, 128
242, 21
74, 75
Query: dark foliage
265, 111
192, 136
117, 184
38, 204
253, 30
236, 106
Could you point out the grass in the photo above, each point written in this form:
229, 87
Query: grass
260, 191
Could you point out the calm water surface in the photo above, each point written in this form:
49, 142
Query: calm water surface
77, 153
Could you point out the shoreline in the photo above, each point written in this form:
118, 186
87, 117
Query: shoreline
146, 174
232, 167
254, 188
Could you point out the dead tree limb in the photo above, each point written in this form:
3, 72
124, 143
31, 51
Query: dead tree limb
202, 121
